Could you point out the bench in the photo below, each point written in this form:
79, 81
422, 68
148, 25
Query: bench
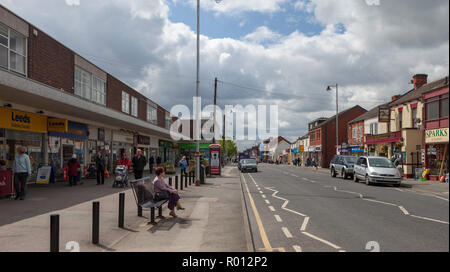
144, 196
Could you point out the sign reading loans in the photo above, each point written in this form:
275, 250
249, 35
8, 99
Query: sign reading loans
439, 135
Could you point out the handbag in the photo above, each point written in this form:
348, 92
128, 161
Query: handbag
162, 195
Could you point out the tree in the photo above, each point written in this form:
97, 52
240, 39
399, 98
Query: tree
231, 148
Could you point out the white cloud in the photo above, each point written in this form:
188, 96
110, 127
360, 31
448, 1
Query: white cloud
262, 34
73, 2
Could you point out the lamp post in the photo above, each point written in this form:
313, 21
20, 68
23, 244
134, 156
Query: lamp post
197, 149
330, 88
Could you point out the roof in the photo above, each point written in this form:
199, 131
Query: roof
368, 115
331, 119
418, 92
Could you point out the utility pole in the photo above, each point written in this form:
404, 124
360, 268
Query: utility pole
215, 104
197, 146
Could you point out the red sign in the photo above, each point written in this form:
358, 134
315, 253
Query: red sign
393, 137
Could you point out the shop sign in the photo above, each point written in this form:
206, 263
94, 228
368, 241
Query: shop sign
384, 138
301, 149
58, 125
143, 140
19, 120
101, 134
165, 144
384, 115
123, 138
439, 135
76, 131
192, 146
43, 176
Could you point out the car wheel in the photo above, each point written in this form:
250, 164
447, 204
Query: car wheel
355, 178
368, 181
333, 173
344, 174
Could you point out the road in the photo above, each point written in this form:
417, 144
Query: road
301, 210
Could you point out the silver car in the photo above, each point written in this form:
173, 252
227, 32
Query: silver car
249, 165
377, 170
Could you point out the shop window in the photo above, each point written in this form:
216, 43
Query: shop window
13, 50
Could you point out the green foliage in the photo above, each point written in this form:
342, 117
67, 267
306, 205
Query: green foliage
231, 148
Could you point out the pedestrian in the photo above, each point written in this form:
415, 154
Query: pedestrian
164, 191
158, 161
139, 163
100, 165
73, 165
183, 165
151, 163
22, 170
125, 161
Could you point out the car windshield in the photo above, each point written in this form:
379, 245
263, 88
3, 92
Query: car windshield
351, 160
381, 163
248, 162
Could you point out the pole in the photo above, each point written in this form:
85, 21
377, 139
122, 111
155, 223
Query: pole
215, 104
337, 119
54, 233
121, 210
95, 222
197, 149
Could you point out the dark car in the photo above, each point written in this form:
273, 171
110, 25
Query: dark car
343, 165
248, 165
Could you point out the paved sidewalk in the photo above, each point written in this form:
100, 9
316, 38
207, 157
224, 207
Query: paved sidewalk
213, 221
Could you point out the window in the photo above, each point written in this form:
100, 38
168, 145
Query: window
400, 120
444, 106
13, 50
134, 106
374, 129
432, 109
152, 116
168, 120
89, 86
414, 118
125, 102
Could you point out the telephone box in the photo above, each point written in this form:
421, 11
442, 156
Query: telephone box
215, 159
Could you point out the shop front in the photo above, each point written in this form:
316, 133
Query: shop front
65, 138
437, 153
188, 150
96, 142
18, 128
143, 143
166, 151
122, 142
385, 145
316, 154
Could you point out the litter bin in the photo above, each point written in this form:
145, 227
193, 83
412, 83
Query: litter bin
202, 174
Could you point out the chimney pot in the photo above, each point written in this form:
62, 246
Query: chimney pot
395, 97
420, 80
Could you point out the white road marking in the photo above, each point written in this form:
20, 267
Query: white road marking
263, 196
297, 248
305, 224
287, 233
285, 203
403, 210
400, 190
272, 208
430, 219
268, 202
261, 192
322, 240
278, 218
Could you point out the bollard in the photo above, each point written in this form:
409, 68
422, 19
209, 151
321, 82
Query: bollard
176, 184
121, 210
95, 222
181, 185
185, 183
170, 182
54, 233
139, 211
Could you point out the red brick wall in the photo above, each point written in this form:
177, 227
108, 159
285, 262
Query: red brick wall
161, 117
50, 62
329, 134
316, 141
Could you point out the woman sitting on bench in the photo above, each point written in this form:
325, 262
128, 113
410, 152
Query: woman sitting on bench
160, 186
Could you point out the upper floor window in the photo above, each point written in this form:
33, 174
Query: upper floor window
400, 120
415, 123
168, 120
89, 87
125, 102
134, 106
13, 50
374, 129
437, 107
152, 116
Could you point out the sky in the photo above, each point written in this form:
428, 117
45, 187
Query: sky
286, 51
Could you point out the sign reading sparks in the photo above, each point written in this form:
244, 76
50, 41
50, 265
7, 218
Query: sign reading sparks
439, 135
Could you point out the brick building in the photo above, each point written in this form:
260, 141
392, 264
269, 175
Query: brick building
71, 105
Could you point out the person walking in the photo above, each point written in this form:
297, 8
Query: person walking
22, 170
151, 163
139, 163
183, 165
100, 165
164, 191
73, 165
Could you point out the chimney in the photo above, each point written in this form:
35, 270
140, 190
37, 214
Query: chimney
420, 80
395, 97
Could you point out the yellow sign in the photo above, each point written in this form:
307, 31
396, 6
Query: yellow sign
19, 120
301, 149
439, 135
58, 125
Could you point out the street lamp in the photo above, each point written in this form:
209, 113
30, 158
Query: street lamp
197, 149
329, 89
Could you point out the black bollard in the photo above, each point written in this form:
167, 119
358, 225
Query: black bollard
176, 184
185, 183
121, 210
181, 185
95, 222
139, 211
170, 181
54, 233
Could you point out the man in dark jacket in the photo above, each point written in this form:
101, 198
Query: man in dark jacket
100, 165
158, 161
151, 163
139, 163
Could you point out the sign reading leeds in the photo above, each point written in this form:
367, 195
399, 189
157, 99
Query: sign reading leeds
436, 135
19, 120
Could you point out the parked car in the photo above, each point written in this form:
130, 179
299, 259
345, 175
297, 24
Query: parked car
342, 165
249, 165
377, 170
